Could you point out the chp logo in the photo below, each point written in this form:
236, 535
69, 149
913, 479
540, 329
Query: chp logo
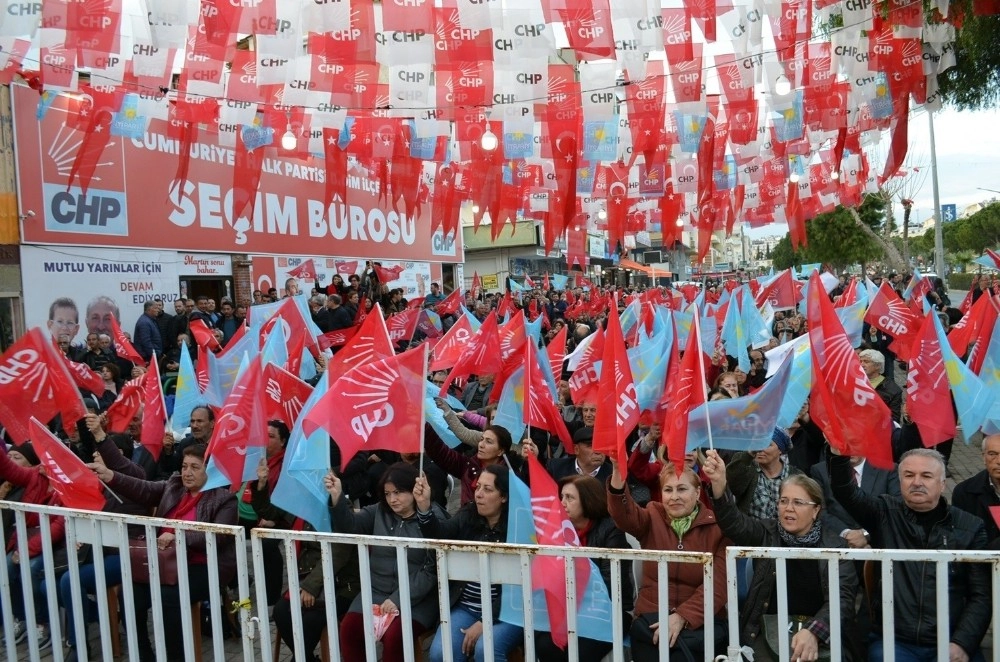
443, 245
62, 134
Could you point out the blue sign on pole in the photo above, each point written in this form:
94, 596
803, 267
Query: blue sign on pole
949, 213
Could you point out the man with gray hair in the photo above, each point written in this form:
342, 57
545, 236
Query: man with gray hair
976, 495
873, 363
920, 518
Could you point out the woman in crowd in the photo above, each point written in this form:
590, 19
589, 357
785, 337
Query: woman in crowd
728, 382
675, 522
20, 468
798, 524
493, 448
583, 498
394, 515
483, 521
260, 512
111, 376
180, 497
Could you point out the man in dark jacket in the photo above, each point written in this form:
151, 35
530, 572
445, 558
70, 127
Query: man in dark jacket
147, 334
922, 519
338, 317
585, 461
873, 481
978, 494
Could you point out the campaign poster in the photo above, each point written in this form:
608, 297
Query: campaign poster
268, 271
73, 290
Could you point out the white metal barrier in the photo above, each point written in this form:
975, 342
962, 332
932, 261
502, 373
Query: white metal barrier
110, 530
466, 561
885, 558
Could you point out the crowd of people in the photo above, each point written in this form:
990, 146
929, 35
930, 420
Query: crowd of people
798, 492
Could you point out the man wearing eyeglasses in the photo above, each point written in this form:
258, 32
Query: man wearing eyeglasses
920, 518
976, 495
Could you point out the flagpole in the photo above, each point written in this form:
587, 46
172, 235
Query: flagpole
701, 374
423, 427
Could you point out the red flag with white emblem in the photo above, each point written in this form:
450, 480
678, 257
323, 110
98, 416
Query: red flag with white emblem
617, 407
77, 486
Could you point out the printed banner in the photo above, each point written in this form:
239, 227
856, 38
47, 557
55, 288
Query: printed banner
132, 200
268, 271
74, 291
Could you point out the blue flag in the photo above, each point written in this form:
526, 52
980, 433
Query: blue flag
559, 281
593, 616
741, 424
972, 399
188, 395
990, 374
799, 382
510, 410
648, 361
434, 415
734, 337
307, 459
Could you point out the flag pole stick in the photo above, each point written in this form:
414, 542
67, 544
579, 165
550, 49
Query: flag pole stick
701, 375
111, 491
423, 416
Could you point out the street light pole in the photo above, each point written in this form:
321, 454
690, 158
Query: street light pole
938, 230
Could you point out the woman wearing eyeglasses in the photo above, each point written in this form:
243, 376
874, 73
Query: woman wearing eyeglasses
798, 524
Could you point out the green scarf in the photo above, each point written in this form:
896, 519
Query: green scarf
683, 525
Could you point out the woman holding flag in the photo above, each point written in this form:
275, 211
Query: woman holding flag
493, 448
677, 521
798, 524
483, 521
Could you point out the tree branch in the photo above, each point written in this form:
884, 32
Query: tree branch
892, 255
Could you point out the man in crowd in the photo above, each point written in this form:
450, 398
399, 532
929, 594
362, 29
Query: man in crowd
146, 339
178, 324
338, 317
978, 494
227, 323
94, 356
202, 312
585, 461
872, 481
435, 297
202, 425
921, 519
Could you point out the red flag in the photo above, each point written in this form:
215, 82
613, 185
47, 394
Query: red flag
477, 284
290, 315
783, 292
512, 335
240, 425
119, 415
506, 305
553, 528
557, 353
305, 271
451, 303
618, 406
843, 403
971, 325
371, 342
539, 407
362, 313
96, 138
35, 382
890, 314
246, 179
585, 379
450, 347
927, 388
337, 337
388, 274
403, 325
123, 347
685, 390
154, 413
295, 348
284, 395
345, 268
376, 405
481, 356
77, 486
85, 378
203, 336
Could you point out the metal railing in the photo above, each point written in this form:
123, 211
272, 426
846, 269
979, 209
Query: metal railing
885, 558
110, 530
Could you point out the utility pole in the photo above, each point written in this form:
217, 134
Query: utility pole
938, 231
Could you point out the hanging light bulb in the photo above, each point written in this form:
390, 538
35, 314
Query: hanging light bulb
475, 209
602, 215
680, 223
289, 141
794, 178
835, 175
782, 85
489, 140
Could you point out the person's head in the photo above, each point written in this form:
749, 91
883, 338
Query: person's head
210, 305
496, 442
780, 445
484, 380
291, 287
396, 488
589, 412
189, 306
583, 447
493, 492
728, 382
240, 312
99, 313
92, 342
202, 303
872, 362
435, 288
23, 455
180, 306
679, 494
149, 308
317, 302
921, 478
991, 456
183, 339
272, 293
334, 301
104, 341
277, 436
352, 298
193, 474
227, 309
718, 394
110, 372
63, 342
584, 499
64, 318
338, 281
799, 504
439, 378
202, 424
258, 296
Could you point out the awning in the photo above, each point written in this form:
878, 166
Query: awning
643, 268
